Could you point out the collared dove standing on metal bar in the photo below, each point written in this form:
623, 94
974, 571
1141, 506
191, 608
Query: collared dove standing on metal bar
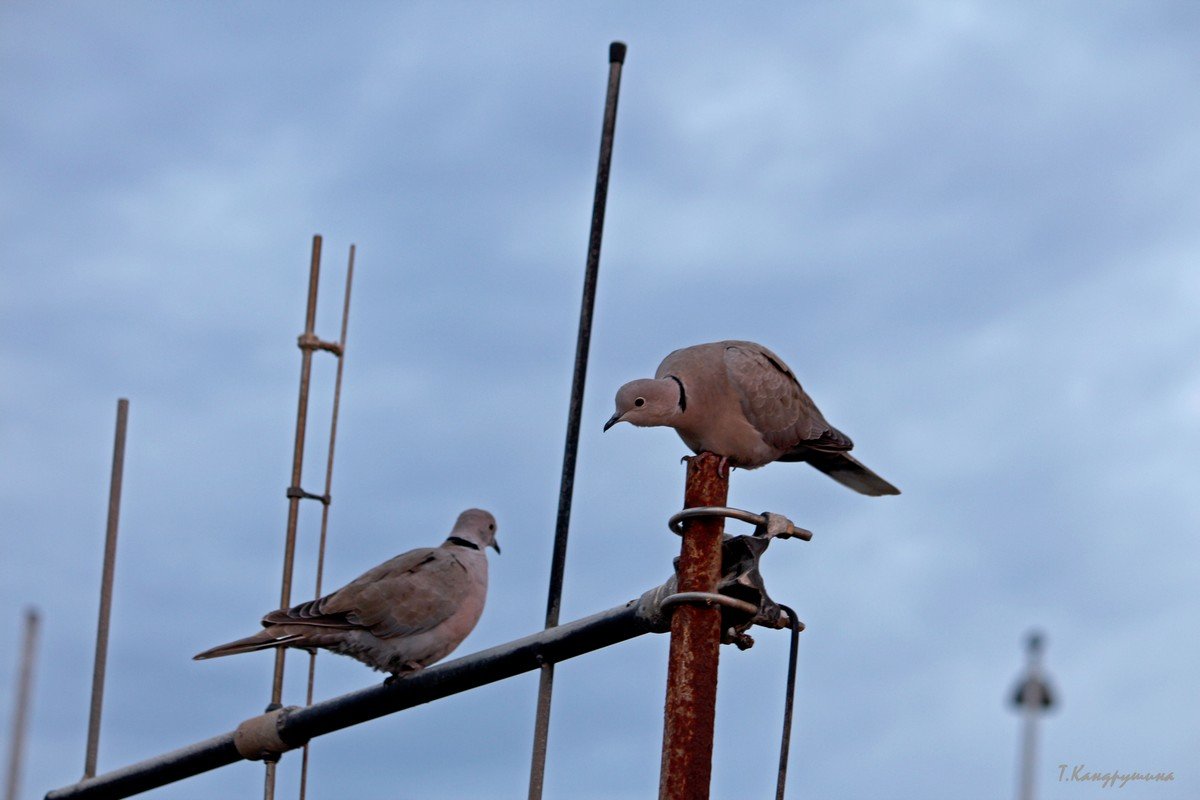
398, 617
741, 402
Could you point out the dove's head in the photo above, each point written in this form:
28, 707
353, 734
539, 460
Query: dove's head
648, 402
478, 527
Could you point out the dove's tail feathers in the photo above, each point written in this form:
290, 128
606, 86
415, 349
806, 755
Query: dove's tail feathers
846, 470
263, 640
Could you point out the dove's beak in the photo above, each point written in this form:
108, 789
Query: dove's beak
495, 547
613, 420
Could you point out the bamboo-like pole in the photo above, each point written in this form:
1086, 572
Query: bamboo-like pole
20, 722
294, 493
333, 425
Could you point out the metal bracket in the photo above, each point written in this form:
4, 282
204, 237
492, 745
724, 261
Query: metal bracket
741, 592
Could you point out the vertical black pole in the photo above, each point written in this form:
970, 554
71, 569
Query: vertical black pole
106, 586
785, 741
537, 769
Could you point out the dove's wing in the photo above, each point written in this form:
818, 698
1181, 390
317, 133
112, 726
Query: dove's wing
411, 593
773, 402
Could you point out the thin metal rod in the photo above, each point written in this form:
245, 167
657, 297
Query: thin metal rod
690, 713
106, 586
289, 547
537, 768
607, 628
785, 741
20, 721
333, 423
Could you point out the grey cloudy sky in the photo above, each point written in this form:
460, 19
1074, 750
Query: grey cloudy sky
970, 228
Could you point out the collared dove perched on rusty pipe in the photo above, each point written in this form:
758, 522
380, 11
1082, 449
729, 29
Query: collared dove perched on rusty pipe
398, 617
741, 402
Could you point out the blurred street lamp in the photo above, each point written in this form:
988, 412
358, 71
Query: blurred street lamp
1032, 698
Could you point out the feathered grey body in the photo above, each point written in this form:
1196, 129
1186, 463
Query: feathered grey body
400, 616
739, 400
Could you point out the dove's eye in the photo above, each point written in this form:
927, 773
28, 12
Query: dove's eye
641, 401
491, 527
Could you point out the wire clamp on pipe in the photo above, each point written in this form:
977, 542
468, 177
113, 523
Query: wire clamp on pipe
708, 599
732, 635
712, 598
768, 525
740, 592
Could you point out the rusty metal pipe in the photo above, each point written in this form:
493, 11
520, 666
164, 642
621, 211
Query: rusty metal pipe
100, 664
690, 713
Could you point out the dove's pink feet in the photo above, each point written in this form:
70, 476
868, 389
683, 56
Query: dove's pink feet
723, 467
406, 669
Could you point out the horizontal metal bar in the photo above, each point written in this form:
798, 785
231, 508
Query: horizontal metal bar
487, 666
154, 772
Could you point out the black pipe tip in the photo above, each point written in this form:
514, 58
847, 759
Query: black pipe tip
616, 53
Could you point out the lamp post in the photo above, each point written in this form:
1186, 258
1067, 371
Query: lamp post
1032, 698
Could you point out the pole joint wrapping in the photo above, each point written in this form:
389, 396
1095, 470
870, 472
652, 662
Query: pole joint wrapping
295, 492
310, 341
260, 738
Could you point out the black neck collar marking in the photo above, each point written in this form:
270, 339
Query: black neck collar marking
461, 542
682, 393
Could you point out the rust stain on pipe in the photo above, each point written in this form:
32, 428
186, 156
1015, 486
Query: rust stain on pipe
690, 711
